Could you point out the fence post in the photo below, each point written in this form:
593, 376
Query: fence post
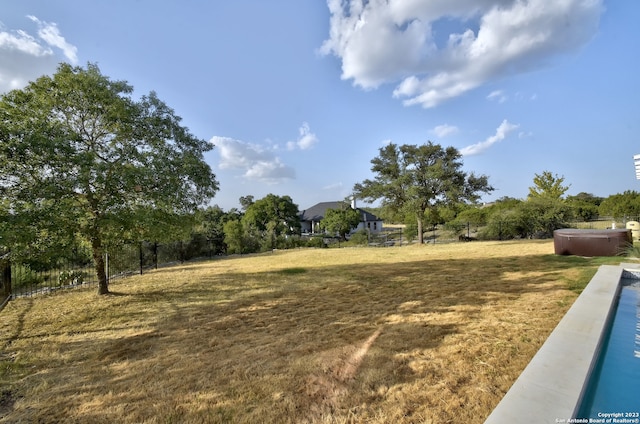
155, 254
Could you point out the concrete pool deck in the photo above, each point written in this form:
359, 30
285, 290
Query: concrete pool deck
551, 386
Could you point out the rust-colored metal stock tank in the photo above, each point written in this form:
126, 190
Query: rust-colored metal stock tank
569, 241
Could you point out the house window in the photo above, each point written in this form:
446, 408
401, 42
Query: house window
368, 225
375, 225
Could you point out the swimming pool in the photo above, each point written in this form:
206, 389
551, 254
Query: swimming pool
614, 385
553, 387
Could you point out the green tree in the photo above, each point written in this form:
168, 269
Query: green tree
545, 209
471, 216
502, 224
212, 221
414, 180
238, 239
505, 202
246, 201
540, 217
341, 221
278, 210
584, 205
504, 221
621, 205
234, 236
586, 197
548, 185
475, 216
77, 150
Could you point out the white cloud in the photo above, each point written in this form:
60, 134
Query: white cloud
24, 57
270, 171
256, 162
51, 35
444, 130
22, 42
498, 96
501, 133
394, 41
305, 141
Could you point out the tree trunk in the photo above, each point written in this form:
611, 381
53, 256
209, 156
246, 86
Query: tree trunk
420, 231
98, 260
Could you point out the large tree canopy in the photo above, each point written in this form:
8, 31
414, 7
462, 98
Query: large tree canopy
78, 152
414, 179
272, 213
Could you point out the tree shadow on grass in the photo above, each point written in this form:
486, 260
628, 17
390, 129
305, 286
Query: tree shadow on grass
301, 346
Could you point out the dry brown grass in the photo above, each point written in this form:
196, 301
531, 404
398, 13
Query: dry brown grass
422, 334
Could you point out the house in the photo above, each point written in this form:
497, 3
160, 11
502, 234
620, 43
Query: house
310, 218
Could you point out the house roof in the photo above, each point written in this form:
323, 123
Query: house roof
317, 212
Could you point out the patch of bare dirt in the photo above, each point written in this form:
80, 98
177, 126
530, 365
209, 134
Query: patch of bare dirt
325, 388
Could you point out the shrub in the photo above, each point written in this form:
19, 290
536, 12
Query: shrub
22, 276
74, 277
315, 241
359, 238
410, 231
632, 251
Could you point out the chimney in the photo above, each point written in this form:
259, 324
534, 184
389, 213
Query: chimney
353, 202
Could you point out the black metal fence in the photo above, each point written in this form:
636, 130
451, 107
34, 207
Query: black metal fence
34, 276
29, 281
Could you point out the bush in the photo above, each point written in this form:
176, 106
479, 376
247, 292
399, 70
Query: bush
632, 251
359, 238
315, 241
74, 277
410, 231
502, 225
23, 276
288, 242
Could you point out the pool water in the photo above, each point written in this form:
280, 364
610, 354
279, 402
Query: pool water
614, 385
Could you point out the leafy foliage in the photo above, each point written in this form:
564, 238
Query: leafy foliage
584, 205
541, 216
212, 222
340, 221
471, 216
275, 215
235, 237
359, 238
547, 185
502, 224
536, 217
621, 205
80, 156
412, 180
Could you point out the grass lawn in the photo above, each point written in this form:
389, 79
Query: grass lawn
418, 334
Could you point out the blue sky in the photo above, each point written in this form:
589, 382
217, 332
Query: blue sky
298, 96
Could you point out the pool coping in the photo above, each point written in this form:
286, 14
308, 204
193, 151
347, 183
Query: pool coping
550, 388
